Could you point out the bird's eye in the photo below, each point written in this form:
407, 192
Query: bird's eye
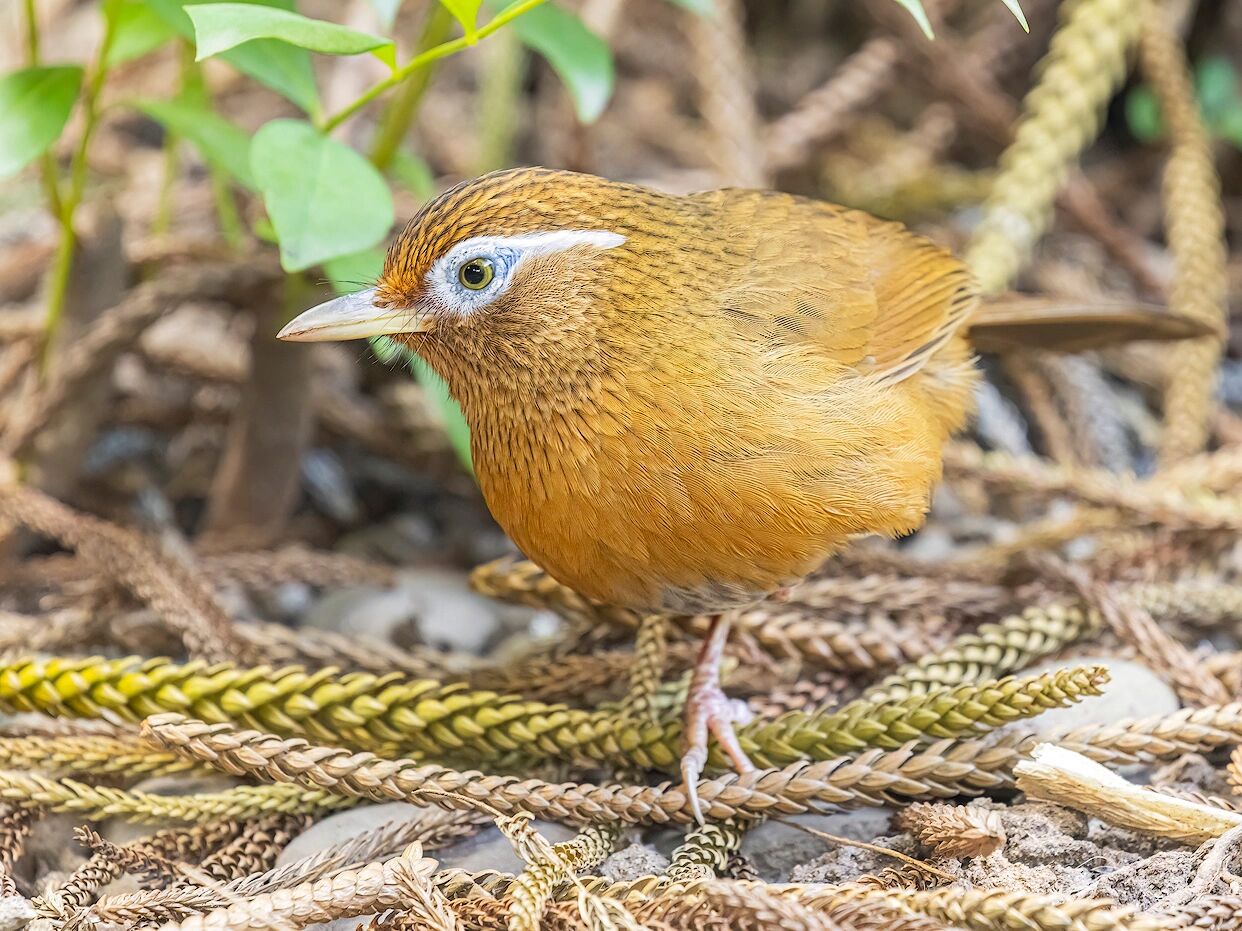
476, 274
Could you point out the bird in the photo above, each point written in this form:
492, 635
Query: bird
680, 404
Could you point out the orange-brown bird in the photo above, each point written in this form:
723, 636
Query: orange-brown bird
679, 404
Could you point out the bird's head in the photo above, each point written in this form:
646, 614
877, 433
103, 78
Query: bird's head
506, 272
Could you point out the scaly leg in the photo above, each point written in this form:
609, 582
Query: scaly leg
709, 711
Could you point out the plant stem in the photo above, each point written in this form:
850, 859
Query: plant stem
32, 32
424, 59
499, 102
47, 162
400, 113
69, 203
226, 210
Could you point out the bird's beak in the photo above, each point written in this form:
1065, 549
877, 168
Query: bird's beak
351, 316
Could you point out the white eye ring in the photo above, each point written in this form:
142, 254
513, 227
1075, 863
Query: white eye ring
505, 253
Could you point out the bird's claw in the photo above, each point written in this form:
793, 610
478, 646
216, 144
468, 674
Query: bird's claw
710, 711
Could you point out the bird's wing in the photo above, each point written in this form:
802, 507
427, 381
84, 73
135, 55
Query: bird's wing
863, 292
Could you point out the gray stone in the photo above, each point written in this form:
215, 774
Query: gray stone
1133, 691
776, 847
431, 606
634, 862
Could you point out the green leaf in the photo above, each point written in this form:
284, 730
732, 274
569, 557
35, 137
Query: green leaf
1143, 114
915, 8
465, 12
219, 27
1229, 127
391, 352
699, 7
413, 174
355, 271
35, 104
580, 57
325, 200
387, 11
220, 142
450, 412
137, 28
284, 68
1216, 87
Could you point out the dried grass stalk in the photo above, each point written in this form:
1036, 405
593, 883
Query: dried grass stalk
942, 770
1061, 115
1056, 774
1195, 224
166, 584
726, 85
1149, 503
96, 754
1134, 625
706, 850
827, 111
402, 882
99, 802
428, 716
954, 830
991, 650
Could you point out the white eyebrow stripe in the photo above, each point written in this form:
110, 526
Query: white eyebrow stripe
541, 243
442, 276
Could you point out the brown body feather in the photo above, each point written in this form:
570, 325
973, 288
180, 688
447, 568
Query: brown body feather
701, 415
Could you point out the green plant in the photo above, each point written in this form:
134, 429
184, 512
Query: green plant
1218, 92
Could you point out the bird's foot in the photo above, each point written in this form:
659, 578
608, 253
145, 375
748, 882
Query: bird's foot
710, 711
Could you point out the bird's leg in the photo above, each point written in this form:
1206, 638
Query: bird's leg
709, 711
650, 650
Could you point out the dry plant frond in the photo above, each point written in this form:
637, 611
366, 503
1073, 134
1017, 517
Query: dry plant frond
1135, 626
954, 830
725, 79
1195, 225
256, 850
136, 859
706, 850
102, 867
1149, 502
165, 584
101, 754
382, 843
1084, 66
1203, 602
401, 882
828, 110
952, 712
1208, 913
743, 906
789, 630
998, 910
427, 716
941, 770
323, 649
264, 569
1056, 774
548, 866
646, 670
991, 650
99, 802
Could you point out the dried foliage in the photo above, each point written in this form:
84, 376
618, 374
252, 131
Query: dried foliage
954, 830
